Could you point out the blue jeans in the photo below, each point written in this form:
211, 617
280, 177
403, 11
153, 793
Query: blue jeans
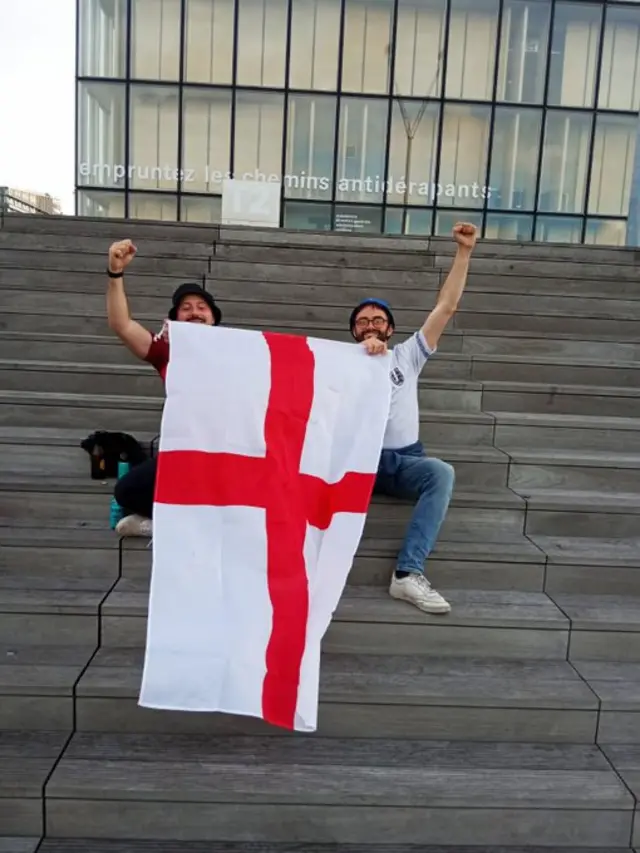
408, 474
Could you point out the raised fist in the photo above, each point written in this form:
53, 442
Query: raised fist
465, 234
120, 255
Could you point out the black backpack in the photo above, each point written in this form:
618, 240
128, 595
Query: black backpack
106, 449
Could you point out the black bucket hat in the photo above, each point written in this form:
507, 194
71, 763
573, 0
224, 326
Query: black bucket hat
379, 303
194, 289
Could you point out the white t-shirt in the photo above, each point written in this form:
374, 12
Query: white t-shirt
407, 361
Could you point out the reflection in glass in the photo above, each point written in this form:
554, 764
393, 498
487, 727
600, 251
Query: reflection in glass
207, 209
209, 41
620, 72
574, 54
565, 162
155, 39
310, 144
419, 47
361, 147
153, 206
472, 48
523, 50
102, 38
415, 220
463, 156
206, 139
367, 40
612, 164
307, 217
101, 132
358, 219
153, 143
558, 229
315, 36
606, 232
514, 158
258, 135
508, 226
412, 152
262, 39
101, 203
446, 219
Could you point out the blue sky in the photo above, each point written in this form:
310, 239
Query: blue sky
37, 101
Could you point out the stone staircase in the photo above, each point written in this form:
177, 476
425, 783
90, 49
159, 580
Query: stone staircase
511, 725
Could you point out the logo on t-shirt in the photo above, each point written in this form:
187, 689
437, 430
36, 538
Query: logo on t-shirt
397, 376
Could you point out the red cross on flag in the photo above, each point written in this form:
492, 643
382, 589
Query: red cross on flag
267, 458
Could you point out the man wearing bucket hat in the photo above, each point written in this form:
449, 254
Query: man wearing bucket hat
404, 470
190, 303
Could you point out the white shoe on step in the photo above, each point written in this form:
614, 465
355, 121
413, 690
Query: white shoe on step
416, 590
135, 525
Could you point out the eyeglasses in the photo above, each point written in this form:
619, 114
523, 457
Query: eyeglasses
376, 322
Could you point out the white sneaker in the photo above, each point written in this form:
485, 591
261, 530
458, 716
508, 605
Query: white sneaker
134, 525
417, 590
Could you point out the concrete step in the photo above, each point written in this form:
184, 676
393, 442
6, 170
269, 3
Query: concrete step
532, 431
73, 503
37, 685
572, 470
95, 264
617, 686
105, 348
368, 792
99, 245
19, 845
88, 412
618, 329
397, 696
26, 760
555, 513
52, 452
549, 398
482, 624
585, 565
603, 627
555, 369
81, 845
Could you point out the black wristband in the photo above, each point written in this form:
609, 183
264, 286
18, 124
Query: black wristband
114, 274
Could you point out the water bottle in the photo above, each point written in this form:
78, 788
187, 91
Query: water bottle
117, 512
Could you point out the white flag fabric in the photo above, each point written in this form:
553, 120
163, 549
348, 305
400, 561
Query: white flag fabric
267, 458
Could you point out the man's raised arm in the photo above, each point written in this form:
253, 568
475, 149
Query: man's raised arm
132, 334
465, 236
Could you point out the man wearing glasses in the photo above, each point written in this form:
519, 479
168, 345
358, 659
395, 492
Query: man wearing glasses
405, 471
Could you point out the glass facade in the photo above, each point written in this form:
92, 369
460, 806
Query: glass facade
393, 116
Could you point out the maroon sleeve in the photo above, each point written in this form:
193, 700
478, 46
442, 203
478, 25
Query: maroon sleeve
158, 354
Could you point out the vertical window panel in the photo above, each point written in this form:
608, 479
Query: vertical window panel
416, 221
361, 150
209, 41
558, 229
101, 134
155, 39
367, 46
574, 54
102, 38
446, 220
258, 136
463, 156
620, 72
203, 209
206, 139
357, 219
310, 146
565, 162
612, 165
606, 232
500, 226
153, 144
153, 206
99, 203
262, 41
412, 152
473, 31
514, 159
420, 35
307, 217
315, 38
523, 50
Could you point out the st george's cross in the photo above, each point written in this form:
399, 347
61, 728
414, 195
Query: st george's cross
268, 451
